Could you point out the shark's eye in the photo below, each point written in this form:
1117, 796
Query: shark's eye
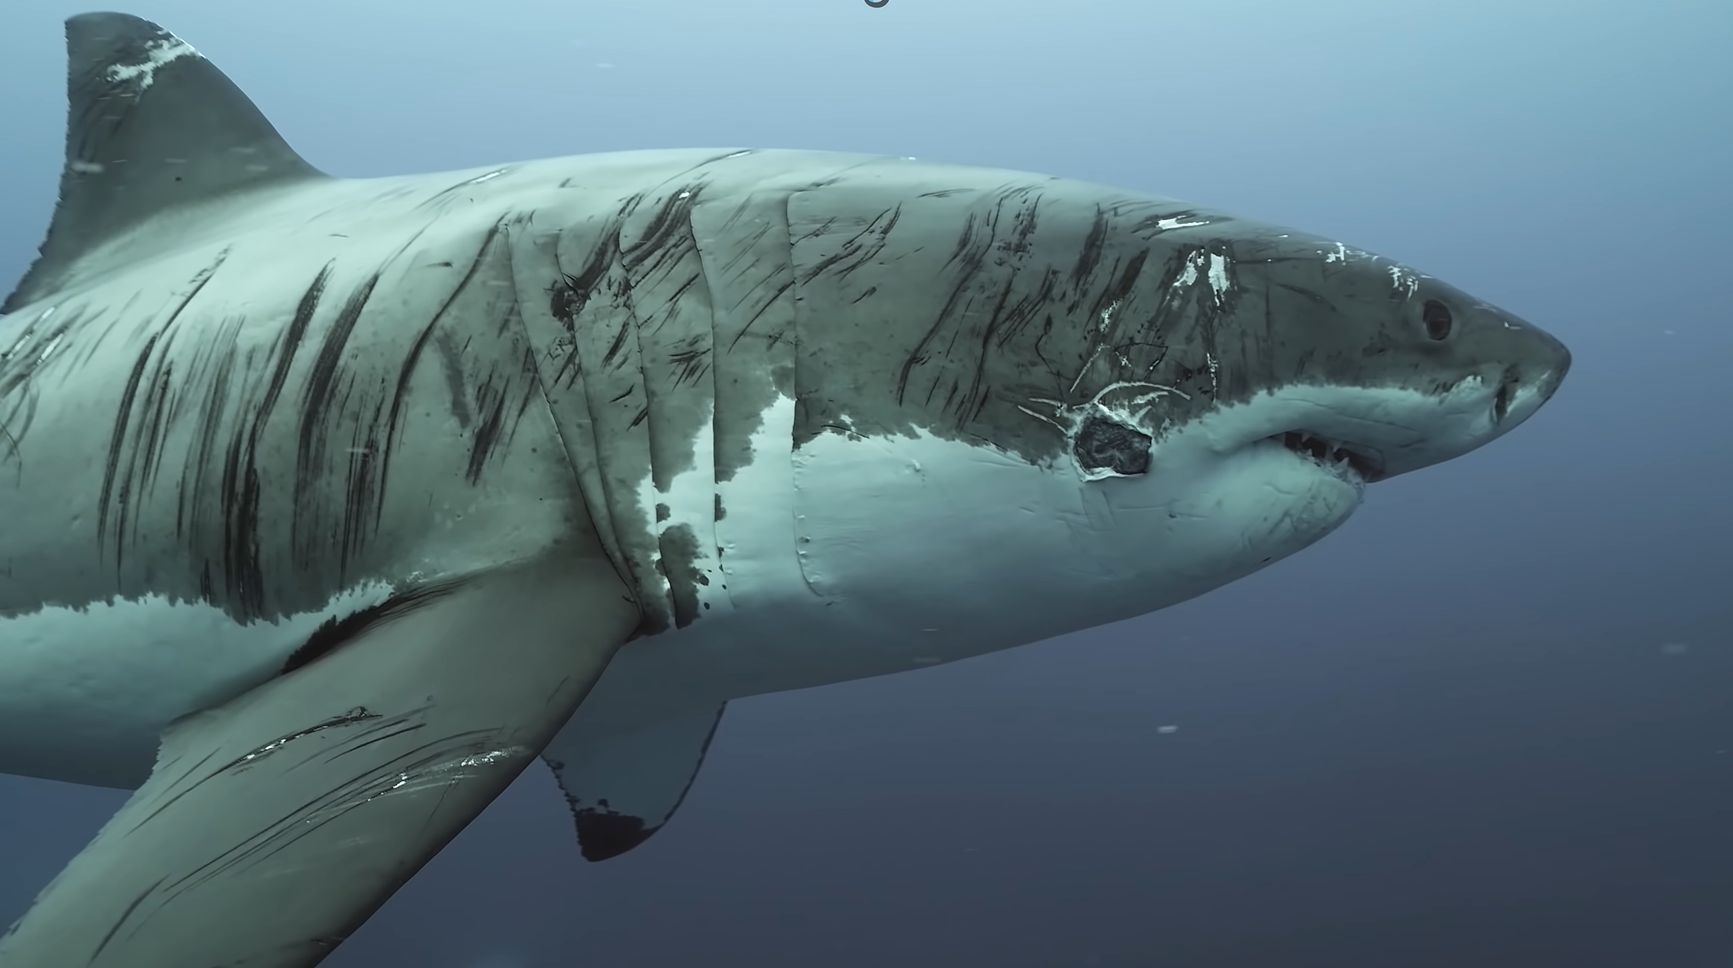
1108, 445
1436, 316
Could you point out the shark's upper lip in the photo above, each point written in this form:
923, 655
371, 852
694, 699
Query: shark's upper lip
1364, 462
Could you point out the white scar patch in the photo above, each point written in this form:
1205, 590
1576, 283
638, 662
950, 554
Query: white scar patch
1218, 275
1188, 275
1213, 266
1404, 279
157, 55
1179, 222
690, 502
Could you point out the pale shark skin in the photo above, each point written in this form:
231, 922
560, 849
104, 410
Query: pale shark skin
828, 416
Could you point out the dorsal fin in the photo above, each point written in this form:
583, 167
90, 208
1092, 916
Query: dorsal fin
151, 124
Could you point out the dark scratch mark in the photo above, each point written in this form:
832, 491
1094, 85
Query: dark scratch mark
123, 417
487, 433
240, 483
298, 822
400, 397
317, 408
130, 908
412, 727
451, 358
336, 631
359, 714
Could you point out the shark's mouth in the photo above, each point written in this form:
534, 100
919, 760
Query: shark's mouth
1354, 463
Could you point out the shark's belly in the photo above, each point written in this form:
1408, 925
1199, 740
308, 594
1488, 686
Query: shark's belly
85, 692
764, 652
862, 557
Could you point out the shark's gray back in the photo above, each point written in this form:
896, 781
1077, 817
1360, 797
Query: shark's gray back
227, 400
239, 418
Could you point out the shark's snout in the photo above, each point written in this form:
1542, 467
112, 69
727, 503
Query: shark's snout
1536, 368
1556, 361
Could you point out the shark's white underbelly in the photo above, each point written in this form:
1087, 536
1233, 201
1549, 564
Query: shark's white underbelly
84, 693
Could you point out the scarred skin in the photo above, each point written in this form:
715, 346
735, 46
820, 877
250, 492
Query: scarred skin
653, 300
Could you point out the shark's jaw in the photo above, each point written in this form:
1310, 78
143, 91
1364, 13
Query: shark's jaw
1364, 434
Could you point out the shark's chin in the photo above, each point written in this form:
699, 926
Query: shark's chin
1278, 499
1209, 518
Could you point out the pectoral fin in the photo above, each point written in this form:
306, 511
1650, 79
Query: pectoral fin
624, 783
274, 825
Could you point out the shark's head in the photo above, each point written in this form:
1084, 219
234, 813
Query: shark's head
1071, 406
1305, 372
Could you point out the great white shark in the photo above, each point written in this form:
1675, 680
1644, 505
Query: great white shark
328, 501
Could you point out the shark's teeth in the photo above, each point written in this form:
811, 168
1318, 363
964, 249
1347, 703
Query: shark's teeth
1343, 458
